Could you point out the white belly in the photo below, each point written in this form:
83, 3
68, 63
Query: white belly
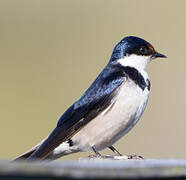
116, 121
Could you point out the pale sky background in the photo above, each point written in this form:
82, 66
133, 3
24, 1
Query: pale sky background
52, 50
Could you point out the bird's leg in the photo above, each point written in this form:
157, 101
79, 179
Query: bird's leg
112, 148
132, 156
96, 152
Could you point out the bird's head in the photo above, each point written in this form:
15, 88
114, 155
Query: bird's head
135, 52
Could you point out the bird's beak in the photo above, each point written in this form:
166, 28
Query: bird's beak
159, 55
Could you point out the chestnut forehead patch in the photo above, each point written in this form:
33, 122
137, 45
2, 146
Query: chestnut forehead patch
151, 47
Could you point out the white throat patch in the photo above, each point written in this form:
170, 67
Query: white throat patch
137, 61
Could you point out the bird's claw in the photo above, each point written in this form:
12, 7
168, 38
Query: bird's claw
134, 156
123, 157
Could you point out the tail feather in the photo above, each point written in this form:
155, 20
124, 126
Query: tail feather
25, 155
63, 149
28, 153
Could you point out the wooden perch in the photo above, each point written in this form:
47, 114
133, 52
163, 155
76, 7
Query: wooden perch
96, 169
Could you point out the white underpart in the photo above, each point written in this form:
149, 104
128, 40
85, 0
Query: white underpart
62, 150
118, 119
107, 128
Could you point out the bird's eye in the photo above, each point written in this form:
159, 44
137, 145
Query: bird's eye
142, 50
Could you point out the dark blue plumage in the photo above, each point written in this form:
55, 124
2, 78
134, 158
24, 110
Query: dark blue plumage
96, 95
131, 45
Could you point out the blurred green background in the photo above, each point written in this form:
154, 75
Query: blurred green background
52, 50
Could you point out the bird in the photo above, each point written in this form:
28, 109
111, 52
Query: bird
108, 109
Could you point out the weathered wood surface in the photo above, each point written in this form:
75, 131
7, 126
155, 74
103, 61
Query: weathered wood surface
96, 169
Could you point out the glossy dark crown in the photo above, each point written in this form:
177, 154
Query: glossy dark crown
132, 45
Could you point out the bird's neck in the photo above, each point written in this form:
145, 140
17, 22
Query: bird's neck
138, 62
135, 68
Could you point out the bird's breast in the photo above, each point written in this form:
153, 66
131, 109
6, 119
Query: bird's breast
116, 120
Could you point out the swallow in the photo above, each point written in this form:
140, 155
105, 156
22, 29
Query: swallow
108, 110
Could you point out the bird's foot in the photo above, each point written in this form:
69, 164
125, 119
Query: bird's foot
108, 157
134, 156
116, 157
96, 156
